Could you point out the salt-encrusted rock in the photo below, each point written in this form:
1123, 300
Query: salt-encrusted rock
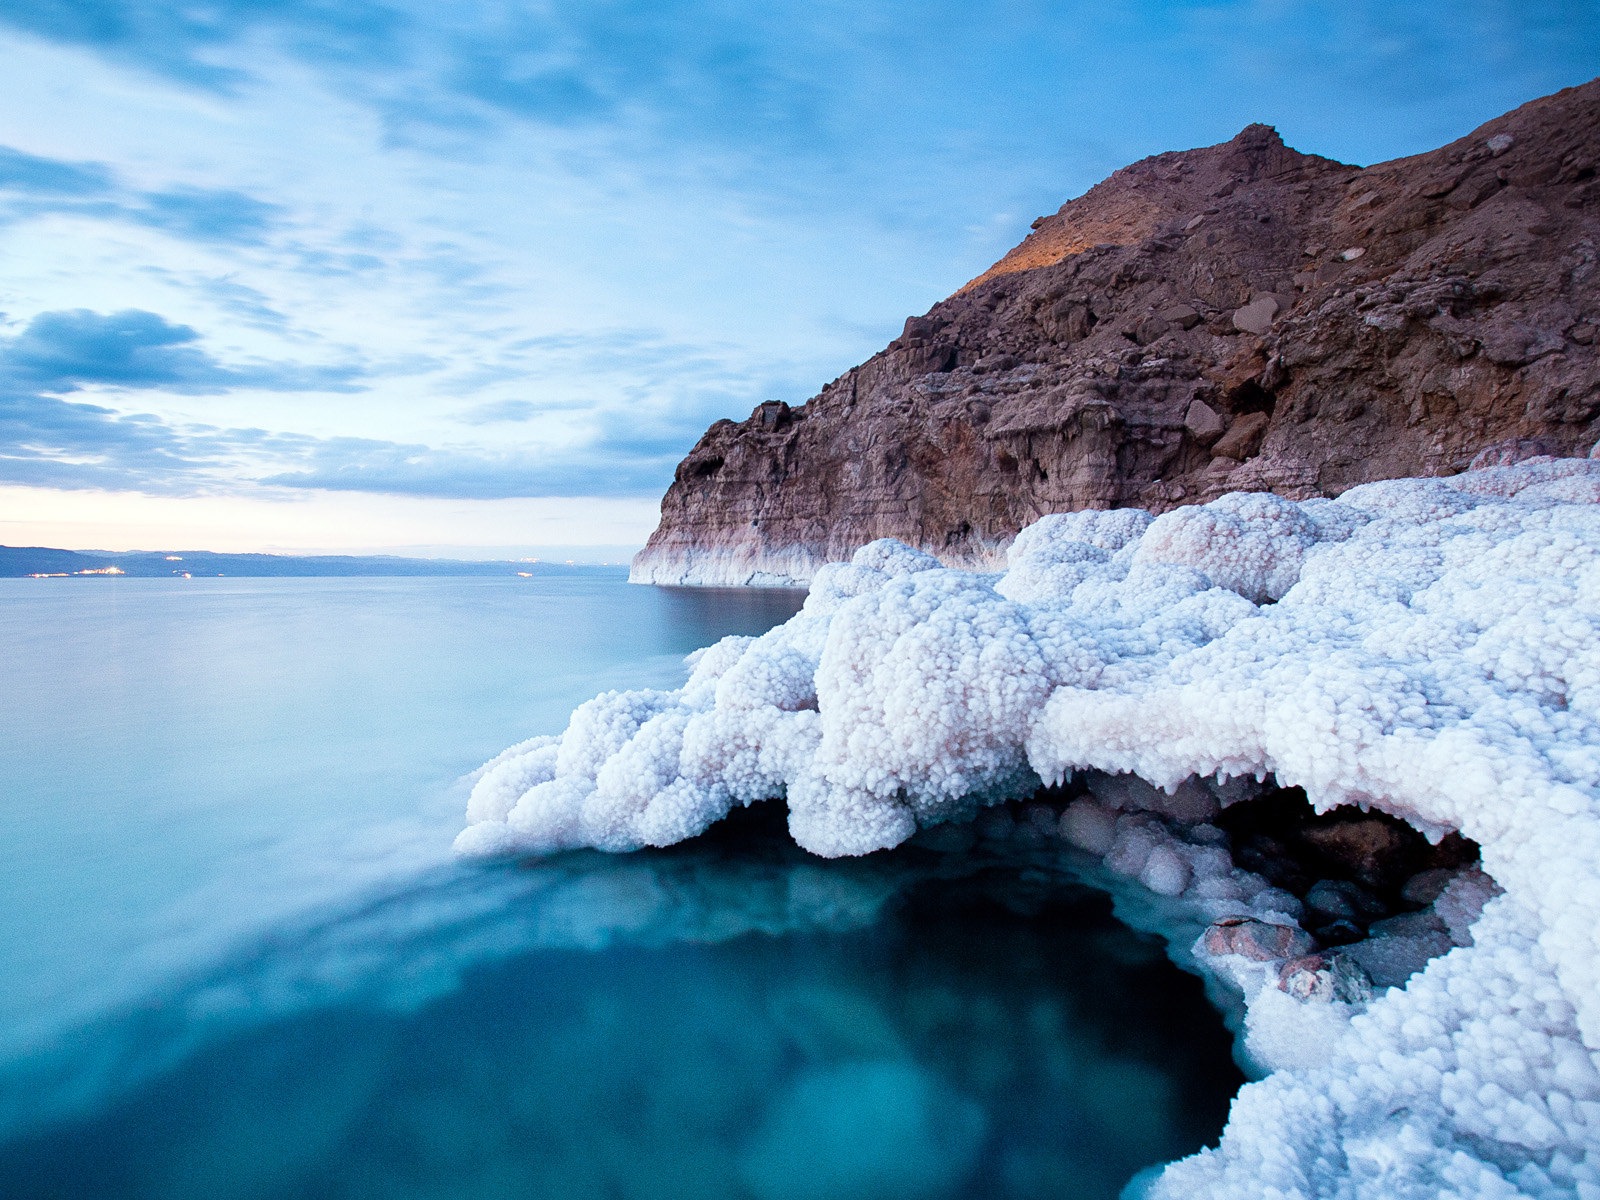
1425, 886
1259, 941
1130, 850
1324, 978
1510, 452
1166, 872
1090, 827
1462, 902
1424, 923
1190, 803
1391, 958
1041, 819
1422, 310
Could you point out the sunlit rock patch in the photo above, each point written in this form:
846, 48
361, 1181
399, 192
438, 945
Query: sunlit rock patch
1427, 648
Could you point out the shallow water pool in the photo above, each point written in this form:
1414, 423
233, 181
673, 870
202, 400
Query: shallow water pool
245, 966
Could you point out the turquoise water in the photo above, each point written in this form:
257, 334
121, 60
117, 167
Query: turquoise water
239, 960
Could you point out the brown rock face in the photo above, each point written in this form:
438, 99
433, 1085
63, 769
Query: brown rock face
1237, 318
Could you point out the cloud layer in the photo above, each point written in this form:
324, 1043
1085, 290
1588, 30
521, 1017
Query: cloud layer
47, 440
498, 250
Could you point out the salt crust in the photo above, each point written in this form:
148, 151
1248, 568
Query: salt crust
1424, 646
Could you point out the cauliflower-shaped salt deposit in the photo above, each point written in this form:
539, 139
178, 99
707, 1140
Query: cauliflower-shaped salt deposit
1252, 543
1425, 646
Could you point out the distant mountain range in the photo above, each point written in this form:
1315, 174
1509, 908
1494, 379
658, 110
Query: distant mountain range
22, 561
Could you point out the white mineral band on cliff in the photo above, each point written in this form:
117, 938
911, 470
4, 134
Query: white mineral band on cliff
736, 565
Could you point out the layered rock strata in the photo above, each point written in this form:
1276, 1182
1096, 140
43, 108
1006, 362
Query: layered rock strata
1242, 317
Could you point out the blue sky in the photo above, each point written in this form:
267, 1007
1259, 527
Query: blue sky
312, 274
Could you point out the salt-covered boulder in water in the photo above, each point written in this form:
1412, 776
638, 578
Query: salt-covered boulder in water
1425, 647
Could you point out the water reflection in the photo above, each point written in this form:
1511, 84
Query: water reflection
729, 1018
687, 612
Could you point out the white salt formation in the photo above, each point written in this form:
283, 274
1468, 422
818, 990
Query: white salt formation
1427, 647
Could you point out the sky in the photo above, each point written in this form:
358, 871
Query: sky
470, 279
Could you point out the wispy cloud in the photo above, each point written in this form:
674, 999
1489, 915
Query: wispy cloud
500, 412
249, 305
32, 185
358, 465
65, 351
792, 81
563, 63
207, 214
49, 439
29, 174
46, 441
180, 40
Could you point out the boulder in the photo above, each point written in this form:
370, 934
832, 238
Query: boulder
1390, 960
1243, 438
1259, 941
1181, 315
1339, 899
1425, 886
1202, 422
1256, 317
1372, 849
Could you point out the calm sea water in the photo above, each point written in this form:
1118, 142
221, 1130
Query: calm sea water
239, 961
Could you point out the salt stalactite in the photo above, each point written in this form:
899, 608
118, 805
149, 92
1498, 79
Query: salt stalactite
1427, 647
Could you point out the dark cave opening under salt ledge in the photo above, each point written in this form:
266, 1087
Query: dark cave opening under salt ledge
731, 1017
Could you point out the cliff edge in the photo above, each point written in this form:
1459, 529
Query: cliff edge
1241, 317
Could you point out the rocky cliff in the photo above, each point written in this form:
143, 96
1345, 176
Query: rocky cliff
1241, 317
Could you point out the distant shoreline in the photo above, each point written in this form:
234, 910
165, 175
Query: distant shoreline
43, 562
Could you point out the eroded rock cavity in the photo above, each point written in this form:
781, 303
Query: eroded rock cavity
1328, 906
